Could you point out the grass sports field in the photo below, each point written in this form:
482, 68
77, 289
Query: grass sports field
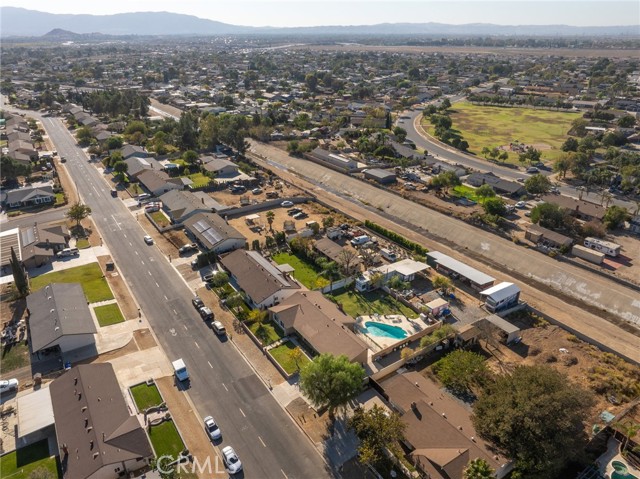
492, 126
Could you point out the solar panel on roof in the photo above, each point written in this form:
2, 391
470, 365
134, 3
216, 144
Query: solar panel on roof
212, 236
201, 226
28, 236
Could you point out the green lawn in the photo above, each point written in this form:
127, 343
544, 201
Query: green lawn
165, 439
160, 218
14, 357
108, 314
365, 304
282, 354
83, 243
266, 331
493, 126
89, 276
199, 180
21, 463
465, 191
146, 396
304, 272
60, 200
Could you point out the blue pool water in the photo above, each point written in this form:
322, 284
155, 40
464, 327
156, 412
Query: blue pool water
384, 330
620, 471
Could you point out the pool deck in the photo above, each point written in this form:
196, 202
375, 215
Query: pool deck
410, 326
613, 454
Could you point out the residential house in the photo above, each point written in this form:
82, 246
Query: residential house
24, 147
404, 151
501, 186
133, 150
583, 210
137, 165
182, 205
334, 252
501, 296
40, 243
540, 235
158, 182
58, 315
97, 436
320, 324
381, 176
406, 269
264, 284
214, 233
333, 160
439, 431
31, 196
220, 166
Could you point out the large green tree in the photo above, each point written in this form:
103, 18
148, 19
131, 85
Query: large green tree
615, 216
548, 215
78, 212
10, 169
537, 184
462, 371
331, 381
494, 206
479, 469
377, 430
535, 417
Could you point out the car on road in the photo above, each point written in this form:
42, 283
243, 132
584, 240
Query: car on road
555, 190
197, 303
286, 204
63, 159
521, 204
212, 428
520, 180
533, 169
256, 191
231, 460
218, 328
8, 385
148, 239
187, 248
205, 313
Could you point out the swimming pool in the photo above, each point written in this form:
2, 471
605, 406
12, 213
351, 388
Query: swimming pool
620, 471
384, 330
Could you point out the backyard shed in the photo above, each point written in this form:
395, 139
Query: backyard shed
501, 296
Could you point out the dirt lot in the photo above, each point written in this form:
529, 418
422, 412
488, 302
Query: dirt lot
613, 381
119, 288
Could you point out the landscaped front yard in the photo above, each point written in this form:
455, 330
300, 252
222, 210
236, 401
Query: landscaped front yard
267, 332
304, 272
21, 463
364, 304
160, 219
165, 439
282, 354
146, 396
108, 314
90, 276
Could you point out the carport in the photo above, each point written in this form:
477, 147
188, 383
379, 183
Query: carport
35, 417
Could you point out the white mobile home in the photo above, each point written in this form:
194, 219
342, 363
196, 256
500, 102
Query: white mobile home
606, 247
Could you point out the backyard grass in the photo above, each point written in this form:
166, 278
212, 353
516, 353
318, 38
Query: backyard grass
108, 314
282, 354
146, 396
199, 180
304, 272
160, 219
265, 331
90, 276
365, 304
21, 463
466, 192
83, 243
165, 440
493, 126
14, 356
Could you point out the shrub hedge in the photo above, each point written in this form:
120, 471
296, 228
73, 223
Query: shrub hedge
395, 237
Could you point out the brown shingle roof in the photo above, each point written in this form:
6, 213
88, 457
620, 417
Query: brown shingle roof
576, 206
93, 423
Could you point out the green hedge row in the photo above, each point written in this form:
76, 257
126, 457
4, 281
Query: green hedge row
395, 237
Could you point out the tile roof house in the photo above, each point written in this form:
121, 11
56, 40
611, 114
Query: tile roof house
439, 432
213, 233
40, 243
158, 182
97, 436
264, 284
58, 315
31, 196
320, 324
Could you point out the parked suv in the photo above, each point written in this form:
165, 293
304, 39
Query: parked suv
206, 313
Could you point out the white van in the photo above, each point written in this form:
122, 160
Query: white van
359, 240
180, 370
143, 196
388, 254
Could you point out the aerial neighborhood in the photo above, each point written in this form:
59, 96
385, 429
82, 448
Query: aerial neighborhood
271, 255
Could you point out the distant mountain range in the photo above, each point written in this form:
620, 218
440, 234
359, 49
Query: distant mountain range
30, 23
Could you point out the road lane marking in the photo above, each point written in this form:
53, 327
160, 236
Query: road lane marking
142, 261
157, 285
225, 387
125, 236
165, 298
175, 312
242, 412
185, 327
136, 251
148, 271
262, 441
285, 476
131, 244
209, 363
196, 344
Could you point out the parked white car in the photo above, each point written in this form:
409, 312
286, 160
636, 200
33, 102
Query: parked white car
8, 385
212, 428
231, 460
286, 204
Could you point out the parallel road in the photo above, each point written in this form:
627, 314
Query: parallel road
223, 384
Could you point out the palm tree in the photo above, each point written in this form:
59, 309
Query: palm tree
478, 469
270, 215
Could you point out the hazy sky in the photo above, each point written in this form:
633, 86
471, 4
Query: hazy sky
364, 12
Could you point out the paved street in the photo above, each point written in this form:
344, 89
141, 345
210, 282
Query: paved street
223, 384
437, 230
